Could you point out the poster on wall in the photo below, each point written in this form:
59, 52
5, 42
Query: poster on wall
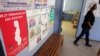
15, 3
44, 3
14, 30
45, 24
40, 4
37, 4
1, 7
44, 18
88, 5
51, 16
34, 27
51, 3
44, 30
11, 5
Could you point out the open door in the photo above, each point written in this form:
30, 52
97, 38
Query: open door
71, 16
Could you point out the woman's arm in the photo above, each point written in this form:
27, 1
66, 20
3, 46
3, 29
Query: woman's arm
89, 24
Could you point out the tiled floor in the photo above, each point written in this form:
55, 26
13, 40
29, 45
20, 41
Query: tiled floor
68, 49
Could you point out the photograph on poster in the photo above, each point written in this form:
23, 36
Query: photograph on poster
18, 38
30, 2
49, 24
40, 4
44, 30
89, 3
37, 4
47, 10
38, 39
32, 22
31, 29
34, 26
33, 12
33, 32
38, 29
11, 5
43, 11
1, 7
38, 19
14, 31
35, 37
51, 3
32, 44
44, 3
44, 18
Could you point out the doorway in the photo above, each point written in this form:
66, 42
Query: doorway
71, 14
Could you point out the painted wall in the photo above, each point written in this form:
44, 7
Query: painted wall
72, 5
58, 15
95, 31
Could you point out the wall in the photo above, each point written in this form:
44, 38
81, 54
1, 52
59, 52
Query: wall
95, 31
26, 51
58, 15
72, 4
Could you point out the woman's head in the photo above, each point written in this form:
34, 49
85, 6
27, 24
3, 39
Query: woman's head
94, 7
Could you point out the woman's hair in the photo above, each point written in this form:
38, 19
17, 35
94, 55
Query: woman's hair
93, 7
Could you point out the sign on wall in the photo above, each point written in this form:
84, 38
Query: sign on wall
14, 31
11, 3
34, 27
40, 3
38, 26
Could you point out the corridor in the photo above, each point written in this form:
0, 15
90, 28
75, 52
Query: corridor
68, 49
